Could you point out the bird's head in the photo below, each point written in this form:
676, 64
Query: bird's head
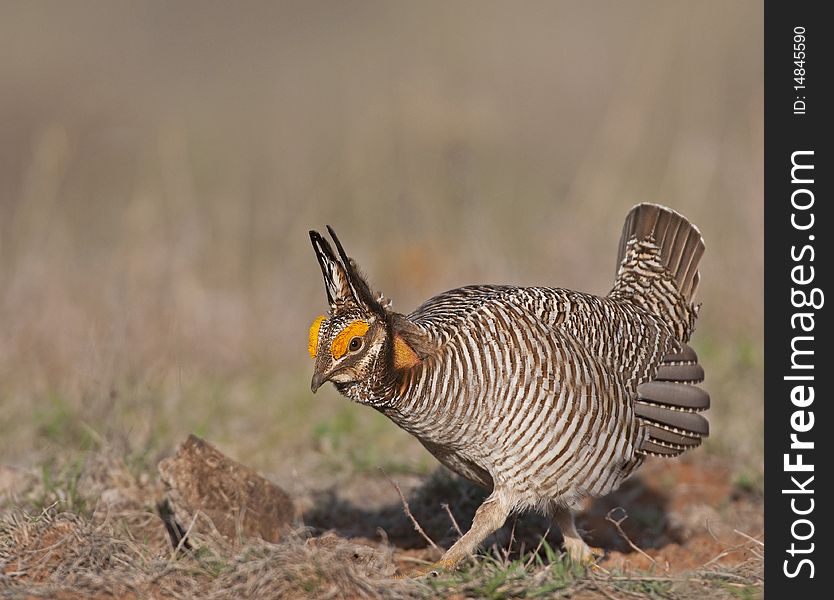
361, 341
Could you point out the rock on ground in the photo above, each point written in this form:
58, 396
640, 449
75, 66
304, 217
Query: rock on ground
240, 502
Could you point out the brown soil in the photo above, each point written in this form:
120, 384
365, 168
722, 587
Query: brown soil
678, 520
680, 514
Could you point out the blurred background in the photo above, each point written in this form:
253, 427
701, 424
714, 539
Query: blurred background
161, 164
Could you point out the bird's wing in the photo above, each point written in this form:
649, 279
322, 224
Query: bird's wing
658, 374
626, 340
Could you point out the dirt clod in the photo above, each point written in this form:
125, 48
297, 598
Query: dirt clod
239, 502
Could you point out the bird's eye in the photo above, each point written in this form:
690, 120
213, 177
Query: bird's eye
355, 344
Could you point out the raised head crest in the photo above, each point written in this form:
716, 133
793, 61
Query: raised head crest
344, 285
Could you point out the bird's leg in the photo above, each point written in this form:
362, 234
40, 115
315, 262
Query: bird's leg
488, 518
576, 547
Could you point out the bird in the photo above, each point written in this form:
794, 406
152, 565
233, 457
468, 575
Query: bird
544, 396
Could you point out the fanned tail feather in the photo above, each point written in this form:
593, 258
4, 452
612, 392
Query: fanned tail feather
657, 270
657, 265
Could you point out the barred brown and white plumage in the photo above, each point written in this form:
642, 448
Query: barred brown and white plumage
543, 395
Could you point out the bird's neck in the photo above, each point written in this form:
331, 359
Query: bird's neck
378, 390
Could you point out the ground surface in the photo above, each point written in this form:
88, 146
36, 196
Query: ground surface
676, 530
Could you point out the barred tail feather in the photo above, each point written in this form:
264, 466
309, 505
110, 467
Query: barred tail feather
657, 270
657, 265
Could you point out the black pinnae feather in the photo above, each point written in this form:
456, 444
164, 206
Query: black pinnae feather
326, 260
358, 286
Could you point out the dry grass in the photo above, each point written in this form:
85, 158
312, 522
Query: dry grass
62, 555
112, 544
160, 166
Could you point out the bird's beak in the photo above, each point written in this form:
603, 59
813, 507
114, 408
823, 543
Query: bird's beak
317, 382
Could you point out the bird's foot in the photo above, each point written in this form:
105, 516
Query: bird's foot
433, 570
582, 553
